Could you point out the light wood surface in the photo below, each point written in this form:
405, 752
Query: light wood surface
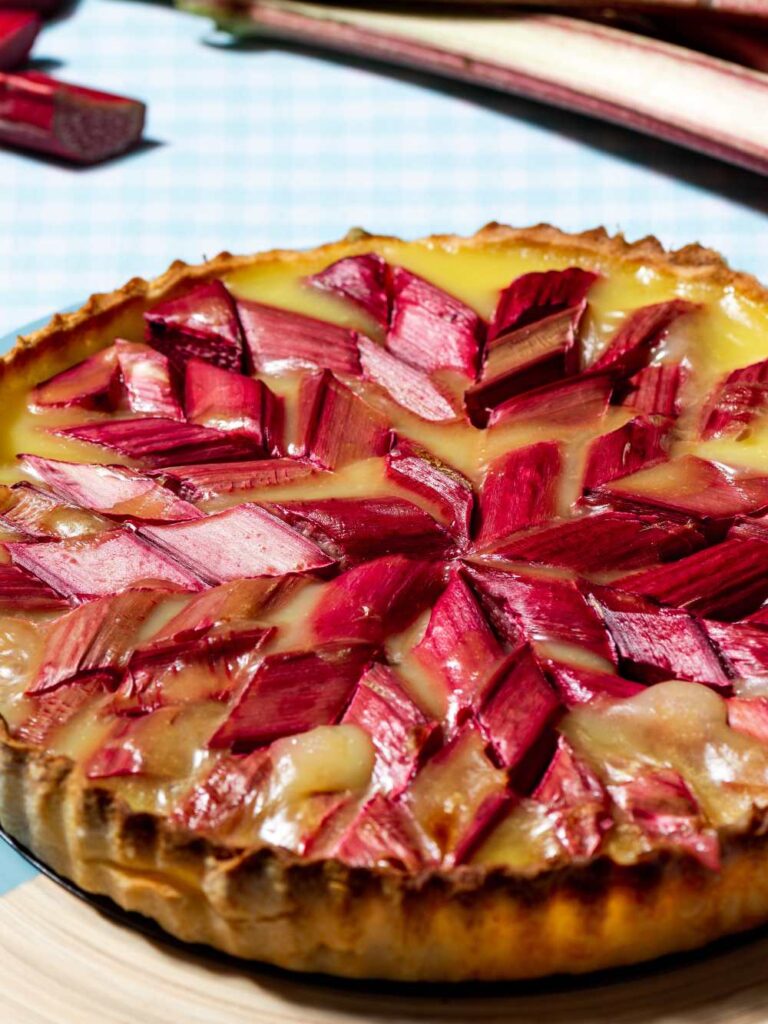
63, 963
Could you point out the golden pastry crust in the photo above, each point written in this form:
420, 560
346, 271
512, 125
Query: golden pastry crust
262, 903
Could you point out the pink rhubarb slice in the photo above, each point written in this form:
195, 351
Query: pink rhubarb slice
91, 384
639, 444
407, 385
382, 834
576, 802
578, 400
216, 802
362, 280
52, 710
233, 403
655, 390
749, 717
519, 489
538, 295
577, 685
146, 376
336, 426
736, 401
21, 592
743, 648
201, 324
35, 513
447, 492
217, 479
631, 348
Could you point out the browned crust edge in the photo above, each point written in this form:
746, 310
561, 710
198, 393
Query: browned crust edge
324, 916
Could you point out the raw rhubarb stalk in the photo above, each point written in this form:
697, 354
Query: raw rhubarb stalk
519, 489
736, 401
576, 802
639, 444
407, 385
64, 120
576, 685
91, 384
382, 834
216, 802
634, 343
217, 479
146, 378
243, 541
53, 710
362, 280
115, 491
34, 513
654, 391
279, 340
18, 31
538, 295
19, 591
749, 717
292, 692
580, 400
201, 324
336, 426
233, 403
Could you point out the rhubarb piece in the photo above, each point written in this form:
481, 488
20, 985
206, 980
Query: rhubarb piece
518, 714
726, 581
18, 31
217, 479
201, 324
216, 802
131, 746
336, 426
229, 401
749, 717
576, 685
91, 384
358, 529
736, 401
381, 835
536, 296
639, 444
431, 329
576, 802
457, 798
64, 120
446, 490
292, 692
147, 382
519, 489
279, 341
375, 599
579, 400
162, 442
240, 542
603, 541
743, 648
654, 391
662, 806
407, 385
27, 510
53, 710
634, 343
111, 490
362, 280
103, 564
399, 730
20, 592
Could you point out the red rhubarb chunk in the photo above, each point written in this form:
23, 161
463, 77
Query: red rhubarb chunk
21, 592
64, 120
398, 729
201, 324
18, 31
520, 489
639, 444
216, 802
407, 385
233, 403
53, 710
382, 834
576, 802
743, 648
336, 426
448, 493
430, 328
579, 400
217, 479
362, 280
111, 490
654, 391
749, 717
644, 329
146, 377
104, 564
292, 692
240, 542
736, 401
91, 384
279, 341
540, 294
577, 685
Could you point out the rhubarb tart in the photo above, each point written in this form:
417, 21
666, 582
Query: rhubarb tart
397, 610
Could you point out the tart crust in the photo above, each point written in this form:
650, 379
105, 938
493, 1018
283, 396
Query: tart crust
323, 916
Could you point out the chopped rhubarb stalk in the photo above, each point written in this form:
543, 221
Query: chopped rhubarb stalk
760, 617
530, 357
576, 802
407, 385
111, 490
382, 834
337, 427
373, 600
229, 401
538, 295
604, 541
279, 341
577, 685
518, 714
579, 400
399, 730
64, 120
238, 600
726, 581
201, 324
292, 692
749, 717
654, 390
162, 442
18, 31
105, 564
21, 592
457, 797
243, 541
217, 479
121, 753
35, 513
92, 384
632, 346
362, 280
444, 488
662, 806
216, 802
736, 401
743, 648
147, 383
52, 711
430, 328
639, 444
358, 529
520, 489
